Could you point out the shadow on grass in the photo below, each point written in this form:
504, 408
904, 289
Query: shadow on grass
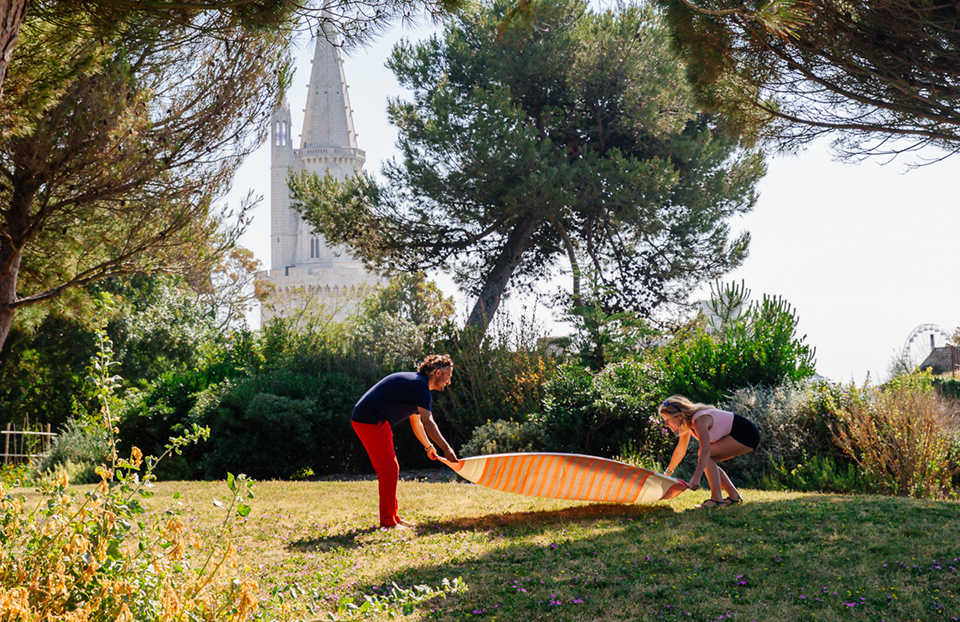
347, 540
654, 562
546, 517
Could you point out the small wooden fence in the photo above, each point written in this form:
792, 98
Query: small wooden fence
26, 444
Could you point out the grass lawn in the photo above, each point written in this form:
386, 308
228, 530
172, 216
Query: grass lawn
780, 556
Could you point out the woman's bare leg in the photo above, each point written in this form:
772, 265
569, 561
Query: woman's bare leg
725, 449
713, 478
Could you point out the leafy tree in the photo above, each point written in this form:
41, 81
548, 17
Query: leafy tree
228, 290
601, 337
412, 297
569, 135
395, 323
356, 20
43, 371
160, 327
118, 171
874, 72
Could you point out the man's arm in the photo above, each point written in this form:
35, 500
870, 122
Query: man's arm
426, 422
421, 435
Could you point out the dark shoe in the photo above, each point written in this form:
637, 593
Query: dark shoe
732, 501
710, 504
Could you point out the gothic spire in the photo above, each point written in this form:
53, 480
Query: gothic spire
327, 121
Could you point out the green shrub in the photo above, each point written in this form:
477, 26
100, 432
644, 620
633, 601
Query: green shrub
947, 387
500, 377
753, 346
273, 426
501, 437
77, 450
603, 413
149, 419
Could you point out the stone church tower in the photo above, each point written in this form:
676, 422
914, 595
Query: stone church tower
304, 269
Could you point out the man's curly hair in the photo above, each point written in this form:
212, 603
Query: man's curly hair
433, 362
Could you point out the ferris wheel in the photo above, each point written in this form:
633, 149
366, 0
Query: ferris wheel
921, 342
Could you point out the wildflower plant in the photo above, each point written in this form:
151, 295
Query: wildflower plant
99, 555
903, 437
396, 601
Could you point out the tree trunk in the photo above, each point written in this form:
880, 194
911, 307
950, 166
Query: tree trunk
11, 17
13, 235
507, 261
8, 288
574, 264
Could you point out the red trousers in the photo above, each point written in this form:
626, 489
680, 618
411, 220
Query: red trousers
377, 439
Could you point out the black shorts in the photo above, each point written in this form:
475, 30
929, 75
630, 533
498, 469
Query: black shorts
744, 432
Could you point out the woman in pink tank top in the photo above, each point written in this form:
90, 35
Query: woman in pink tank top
722, 435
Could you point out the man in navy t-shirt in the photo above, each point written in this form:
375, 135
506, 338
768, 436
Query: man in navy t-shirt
401, 396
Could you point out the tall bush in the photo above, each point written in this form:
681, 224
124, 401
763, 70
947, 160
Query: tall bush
603, 413
793, 428
500, 377
904, 436
150, 417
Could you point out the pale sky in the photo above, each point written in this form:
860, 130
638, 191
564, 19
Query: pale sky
863, 252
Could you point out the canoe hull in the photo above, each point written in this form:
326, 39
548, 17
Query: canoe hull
573, 477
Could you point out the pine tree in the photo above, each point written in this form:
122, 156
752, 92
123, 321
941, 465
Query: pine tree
881, 77
112, 153
562, 135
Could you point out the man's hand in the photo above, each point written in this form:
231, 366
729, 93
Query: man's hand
449, 455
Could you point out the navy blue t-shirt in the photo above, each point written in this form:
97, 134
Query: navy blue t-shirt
394, 399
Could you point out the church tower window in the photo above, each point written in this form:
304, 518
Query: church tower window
280, 134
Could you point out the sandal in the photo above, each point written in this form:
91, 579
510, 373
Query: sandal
732, 501
710, 504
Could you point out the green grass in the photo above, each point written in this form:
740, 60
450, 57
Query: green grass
780, 556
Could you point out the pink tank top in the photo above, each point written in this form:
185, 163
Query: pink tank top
722, 422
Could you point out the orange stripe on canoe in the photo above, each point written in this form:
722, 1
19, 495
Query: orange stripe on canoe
568, 476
